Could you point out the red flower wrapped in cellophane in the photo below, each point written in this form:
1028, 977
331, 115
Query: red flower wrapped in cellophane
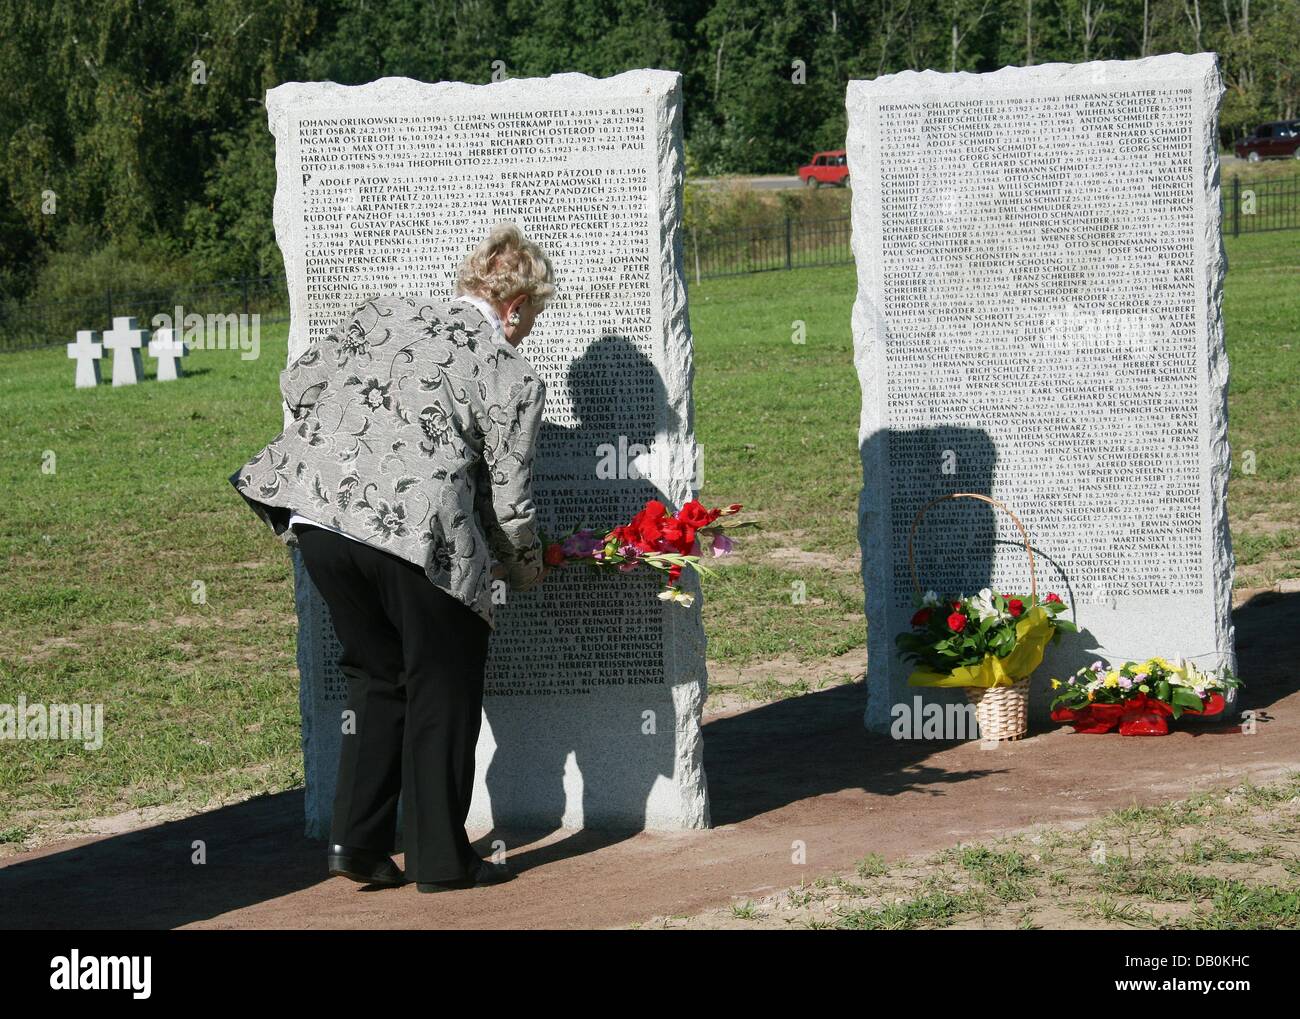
1139, 698
665, 541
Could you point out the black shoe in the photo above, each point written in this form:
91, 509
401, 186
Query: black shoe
485, 873
364, 865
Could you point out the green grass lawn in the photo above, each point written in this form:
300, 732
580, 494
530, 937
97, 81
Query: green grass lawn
104, 552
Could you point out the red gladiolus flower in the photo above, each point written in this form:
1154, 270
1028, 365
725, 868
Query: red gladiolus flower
1015, 606
922, 617
646, 528
674, 572
693, 514
1053, 596
957, 622
680, 536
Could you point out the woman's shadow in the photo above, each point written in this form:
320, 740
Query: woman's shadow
581, 721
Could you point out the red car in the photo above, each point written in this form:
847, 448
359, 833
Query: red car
1280, 138
826, 168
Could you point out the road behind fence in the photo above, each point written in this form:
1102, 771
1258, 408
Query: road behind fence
1256, 207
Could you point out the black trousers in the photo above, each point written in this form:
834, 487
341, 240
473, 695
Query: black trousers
414, 657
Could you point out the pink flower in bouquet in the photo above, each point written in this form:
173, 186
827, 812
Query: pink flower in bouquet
633, 556
582, 545
721, 545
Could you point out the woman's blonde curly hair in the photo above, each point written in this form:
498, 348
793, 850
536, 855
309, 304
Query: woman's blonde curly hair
505, 264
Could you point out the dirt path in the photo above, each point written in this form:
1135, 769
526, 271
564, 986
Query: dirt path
796, 772
794, 780
1211, 861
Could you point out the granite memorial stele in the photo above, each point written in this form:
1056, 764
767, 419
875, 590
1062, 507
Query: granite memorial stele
1038, 319
595, 686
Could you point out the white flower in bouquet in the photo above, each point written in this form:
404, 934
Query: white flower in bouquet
983, 605
1189, 675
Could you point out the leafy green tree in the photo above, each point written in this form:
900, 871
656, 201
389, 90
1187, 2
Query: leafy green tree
137, 128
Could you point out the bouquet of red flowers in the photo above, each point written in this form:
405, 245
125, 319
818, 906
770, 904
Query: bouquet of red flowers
989, 639
669, 542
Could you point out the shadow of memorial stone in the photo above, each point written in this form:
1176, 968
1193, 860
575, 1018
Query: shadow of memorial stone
1268, 647
256, 852
758, 761
961, 546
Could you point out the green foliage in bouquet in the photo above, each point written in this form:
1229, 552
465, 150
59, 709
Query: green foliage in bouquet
988, 639
1182, 686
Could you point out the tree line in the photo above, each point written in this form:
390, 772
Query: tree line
135, 141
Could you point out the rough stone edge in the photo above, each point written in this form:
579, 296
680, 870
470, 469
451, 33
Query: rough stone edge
1166, 67
867, 328
684, 630
1218, 371
665, 87
1194, 68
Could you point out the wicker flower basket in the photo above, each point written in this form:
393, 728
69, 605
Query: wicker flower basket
1001, 711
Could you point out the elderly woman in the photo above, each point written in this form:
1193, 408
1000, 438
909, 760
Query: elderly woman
408, 466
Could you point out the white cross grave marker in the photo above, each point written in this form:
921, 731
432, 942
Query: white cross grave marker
124, 341
86, 352
168, 351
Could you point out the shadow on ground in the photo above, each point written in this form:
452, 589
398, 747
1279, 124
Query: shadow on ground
757, 761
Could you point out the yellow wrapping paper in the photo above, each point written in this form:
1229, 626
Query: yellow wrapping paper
1032, 634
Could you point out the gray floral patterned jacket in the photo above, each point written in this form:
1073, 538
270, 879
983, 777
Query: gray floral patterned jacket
415, 425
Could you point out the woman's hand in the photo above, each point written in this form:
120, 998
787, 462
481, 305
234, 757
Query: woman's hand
499, 572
